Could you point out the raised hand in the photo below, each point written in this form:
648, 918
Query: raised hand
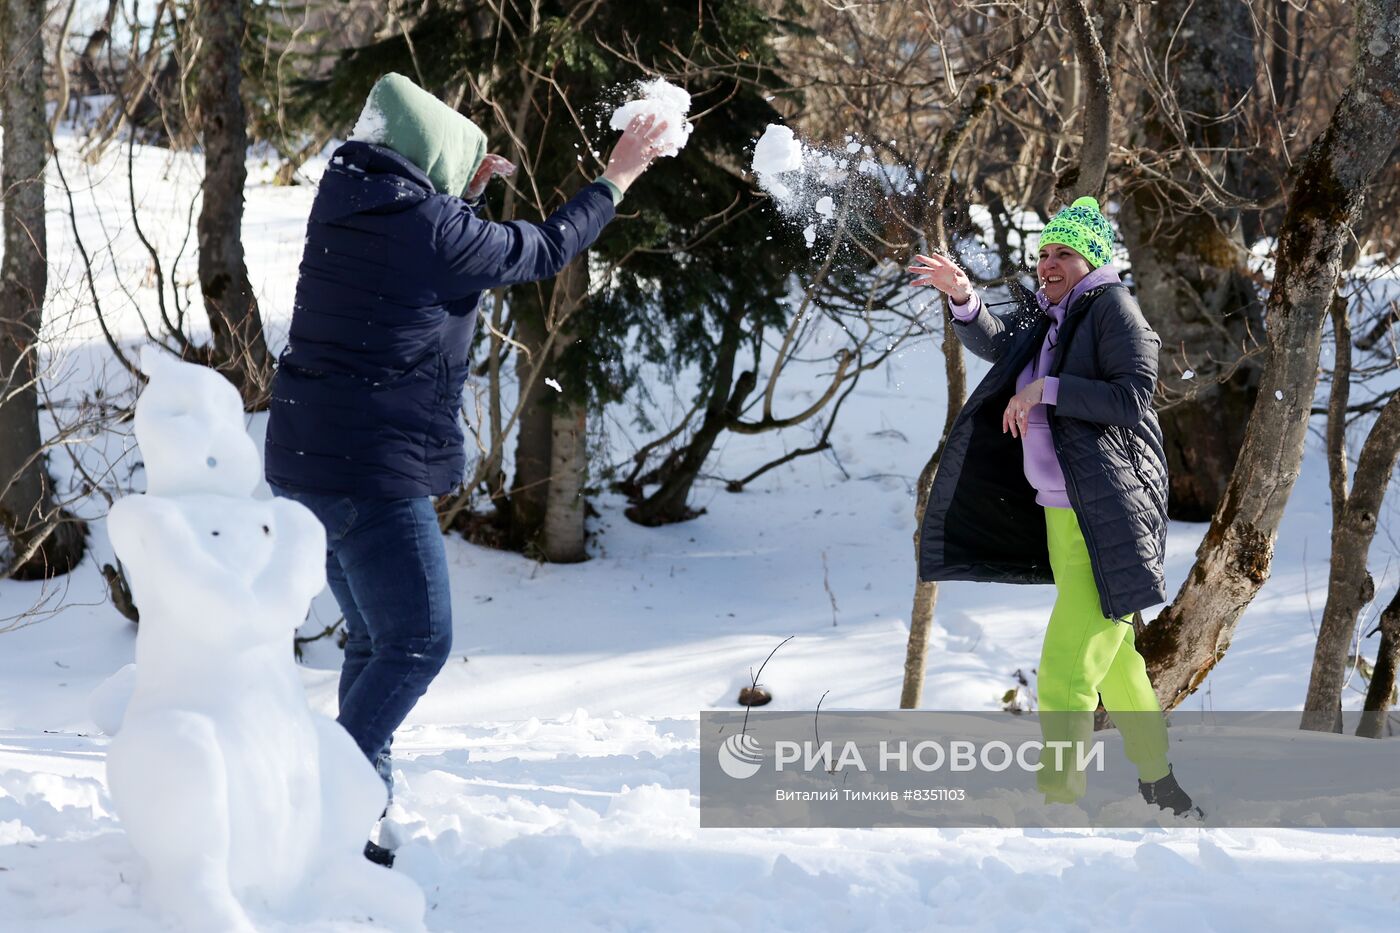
943, 274
635, 151
491, 166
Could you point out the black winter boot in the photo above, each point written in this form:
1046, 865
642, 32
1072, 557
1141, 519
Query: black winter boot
379, 855
1168, 795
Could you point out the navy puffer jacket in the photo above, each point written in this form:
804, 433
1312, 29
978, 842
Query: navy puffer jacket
366, 396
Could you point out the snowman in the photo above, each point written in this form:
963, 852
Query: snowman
237, 796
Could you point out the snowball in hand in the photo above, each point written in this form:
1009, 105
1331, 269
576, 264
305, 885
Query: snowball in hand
666, 102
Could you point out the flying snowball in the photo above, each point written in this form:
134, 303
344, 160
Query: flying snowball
666, 102
803, 178
777, 152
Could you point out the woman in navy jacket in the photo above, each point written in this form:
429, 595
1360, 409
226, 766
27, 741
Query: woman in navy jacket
363, 424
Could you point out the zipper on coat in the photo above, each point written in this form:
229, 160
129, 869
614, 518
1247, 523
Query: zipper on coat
1058, 358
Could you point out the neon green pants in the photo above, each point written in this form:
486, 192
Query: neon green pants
1085, 656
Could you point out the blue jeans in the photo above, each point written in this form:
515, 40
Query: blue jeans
387, 567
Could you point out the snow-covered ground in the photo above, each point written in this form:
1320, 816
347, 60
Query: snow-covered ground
549, 779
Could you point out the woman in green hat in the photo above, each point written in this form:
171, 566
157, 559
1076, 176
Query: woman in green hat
1054, 472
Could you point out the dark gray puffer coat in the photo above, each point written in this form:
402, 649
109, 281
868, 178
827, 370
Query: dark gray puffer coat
983, 523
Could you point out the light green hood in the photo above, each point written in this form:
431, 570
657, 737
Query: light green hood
442, 142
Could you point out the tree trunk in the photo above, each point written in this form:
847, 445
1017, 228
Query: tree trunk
1183, 644
926, 593
45, 541
1189, 259
670, 502
1087, 176
530, 488
239, 351
563, 540
90, 73
1382, 688
1349, 585
60, 68
916, 650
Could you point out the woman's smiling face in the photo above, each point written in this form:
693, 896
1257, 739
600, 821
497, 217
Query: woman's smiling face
1060, 269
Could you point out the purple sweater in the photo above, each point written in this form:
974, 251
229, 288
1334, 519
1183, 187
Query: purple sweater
1038, 450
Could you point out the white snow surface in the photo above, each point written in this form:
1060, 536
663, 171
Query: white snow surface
663, 100
549, 779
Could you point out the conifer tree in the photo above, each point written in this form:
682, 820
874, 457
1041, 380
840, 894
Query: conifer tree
691, 273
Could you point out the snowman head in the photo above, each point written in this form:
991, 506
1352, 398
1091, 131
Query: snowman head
189, 425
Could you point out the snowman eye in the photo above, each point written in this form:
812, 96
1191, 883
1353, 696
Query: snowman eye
267, 530
211, 461
214, 533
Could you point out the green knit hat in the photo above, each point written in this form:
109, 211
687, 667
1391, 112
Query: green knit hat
442, 142
1083, 229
